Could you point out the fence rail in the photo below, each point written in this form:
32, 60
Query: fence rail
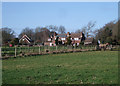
33, 50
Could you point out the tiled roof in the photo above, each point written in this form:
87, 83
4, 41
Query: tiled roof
62, 35
88, 39
76, 35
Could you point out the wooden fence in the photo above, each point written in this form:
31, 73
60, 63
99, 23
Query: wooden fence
7, 52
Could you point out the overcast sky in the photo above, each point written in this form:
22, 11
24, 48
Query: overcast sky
72, 15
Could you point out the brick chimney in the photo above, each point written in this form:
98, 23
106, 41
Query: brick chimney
68, 34
55, 33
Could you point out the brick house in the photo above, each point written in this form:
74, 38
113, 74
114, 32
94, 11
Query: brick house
51, 40
76, 38
25, 40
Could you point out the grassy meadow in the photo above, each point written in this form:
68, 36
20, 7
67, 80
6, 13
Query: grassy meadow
94, 67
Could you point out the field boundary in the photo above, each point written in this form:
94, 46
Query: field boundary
15, 52
47, 53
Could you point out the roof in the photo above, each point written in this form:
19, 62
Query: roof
52, 33
89, 40
62, 35
26, 37
73, 35
76, 35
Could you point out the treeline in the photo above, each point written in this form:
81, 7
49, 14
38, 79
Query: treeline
109, 33
38, 35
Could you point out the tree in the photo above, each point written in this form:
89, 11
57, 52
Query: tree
56, 41
109, 33
78, 31
68, 40
87, 30
7, 35
109, 40
41, 34
61, 30
52, 28
27, 31
15, 41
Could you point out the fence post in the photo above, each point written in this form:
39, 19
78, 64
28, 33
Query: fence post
0, 53
74, 47
39, 49
15, 51
49, 48
56, 47
28, 49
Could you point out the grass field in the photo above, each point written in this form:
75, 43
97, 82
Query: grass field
95, 67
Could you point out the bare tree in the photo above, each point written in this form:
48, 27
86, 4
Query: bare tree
41, 34
87, 30
29, 32
52, 28
84, 30
78, 31
61, 30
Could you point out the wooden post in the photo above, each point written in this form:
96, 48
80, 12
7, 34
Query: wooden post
39, 49
74, 47
0, 53
28, 49
15, 51
56, 47
49, 48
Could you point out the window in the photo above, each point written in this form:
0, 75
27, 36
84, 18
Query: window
75, 38
62, 38
49, 39
77, 44
51, 44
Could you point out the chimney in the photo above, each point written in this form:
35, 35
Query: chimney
55, 33
68, 34
81, 34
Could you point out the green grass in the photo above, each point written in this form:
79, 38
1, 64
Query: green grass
96, 67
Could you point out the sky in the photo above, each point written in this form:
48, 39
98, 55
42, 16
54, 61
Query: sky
72, 15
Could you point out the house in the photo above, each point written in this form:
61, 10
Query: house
25, 40
76, 38
51, 40
88, 41
62, 38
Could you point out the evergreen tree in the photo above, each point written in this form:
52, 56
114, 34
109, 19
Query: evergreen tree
68, 40
56, 41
